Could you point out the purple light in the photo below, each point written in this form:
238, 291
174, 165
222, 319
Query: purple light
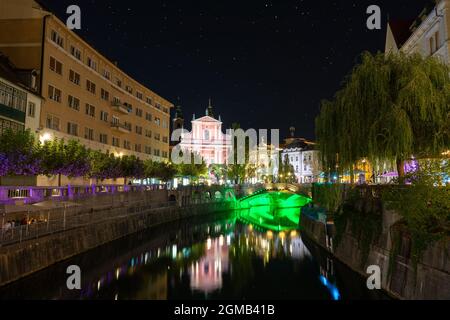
411, 166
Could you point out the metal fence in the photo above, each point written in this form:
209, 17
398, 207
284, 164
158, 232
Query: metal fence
66, 218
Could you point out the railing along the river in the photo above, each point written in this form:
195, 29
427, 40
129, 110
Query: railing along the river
69, 217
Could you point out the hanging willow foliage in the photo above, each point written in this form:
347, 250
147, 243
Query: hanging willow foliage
390, 107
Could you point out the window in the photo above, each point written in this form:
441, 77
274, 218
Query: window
157, 121
157, 137
137, 148
31, 109
103, 138
106, 74
434, 42
165, 139
52, 122
437, 40
118, 82
91, 63
12, 97
89, 134
129, 89
54, 94
74, 77
139, 112
14, 126
164, 124
115, 142
148, 133
148, 116
128, 106
104, 116
139, 130
165, 110
139, 95
74, 103
206, 134
75, 52
156, 152
116, 101
148, 150
126, 144
158, 106
55, 66
56, 38
149, 100
90, 110
165, 154
127, 125
90, 86
115, 120
104, 94
72, 128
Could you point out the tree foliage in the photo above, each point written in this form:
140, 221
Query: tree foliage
390, 107
19, 153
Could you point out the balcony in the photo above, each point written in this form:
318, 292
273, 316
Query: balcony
119, 107
120, 127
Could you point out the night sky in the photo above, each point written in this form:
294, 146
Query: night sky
265, 64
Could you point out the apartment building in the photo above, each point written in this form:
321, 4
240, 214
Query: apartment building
428, 34
86, 96
20, 105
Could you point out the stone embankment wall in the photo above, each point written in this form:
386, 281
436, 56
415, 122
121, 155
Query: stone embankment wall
400, 278
22, 259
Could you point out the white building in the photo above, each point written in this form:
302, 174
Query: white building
303, 156
428, 35
20, 105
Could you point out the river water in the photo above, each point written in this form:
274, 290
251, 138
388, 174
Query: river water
204, 258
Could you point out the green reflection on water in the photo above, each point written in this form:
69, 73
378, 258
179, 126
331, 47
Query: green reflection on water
272, 210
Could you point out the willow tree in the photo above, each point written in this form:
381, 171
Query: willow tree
390, 108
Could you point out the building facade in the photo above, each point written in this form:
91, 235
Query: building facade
20, 105
86, 96
428, 35
207, 139
303, 156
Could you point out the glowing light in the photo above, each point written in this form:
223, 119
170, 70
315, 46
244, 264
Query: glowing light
208, 243
293, 234
174, 251
45, 137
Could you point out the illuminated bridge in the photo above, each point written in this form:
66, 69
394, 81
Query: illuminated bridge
274, 210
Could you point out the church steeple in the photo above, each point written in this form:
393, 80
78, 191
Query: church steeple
209, 110
178, 120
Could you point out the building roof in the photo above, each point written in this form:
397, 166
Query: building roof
300, 144
9, 72
401, 30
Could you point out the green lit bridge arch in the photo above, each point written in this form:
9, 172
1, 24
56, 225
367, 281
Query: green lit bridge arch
274, 210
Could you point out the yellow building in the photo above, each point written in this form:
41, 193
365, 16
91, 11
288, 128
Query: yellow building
86, 96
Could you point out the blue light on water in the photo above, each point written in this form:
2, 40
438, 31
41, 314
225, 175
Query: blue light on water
331, 287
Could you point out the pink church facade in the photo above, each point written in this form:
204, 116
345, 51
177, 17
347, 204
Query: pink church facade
207, 139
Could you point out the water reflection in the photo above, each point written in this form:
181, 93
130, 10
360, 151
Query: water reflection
224, 259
